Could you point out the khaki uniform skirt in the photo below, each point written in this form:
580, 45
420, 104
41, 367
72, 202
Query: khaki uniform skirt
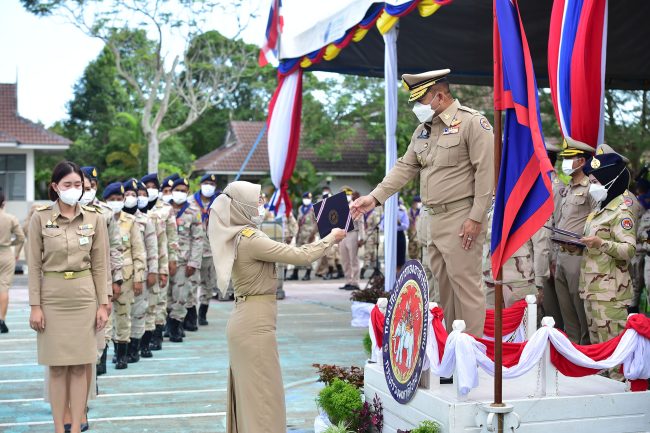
70, 308
255, 390
7, 268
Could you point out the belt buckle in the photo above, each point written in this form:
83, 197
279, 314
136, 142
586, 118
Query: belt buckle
68, 275
241, 298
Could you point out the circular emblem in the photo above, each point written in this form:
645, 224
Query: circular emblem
627, 223
628, 202
405, 333
485, 124
333, 217
595, 163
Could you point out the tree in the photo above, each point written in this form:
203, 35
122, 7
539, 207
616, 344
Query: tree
208, 69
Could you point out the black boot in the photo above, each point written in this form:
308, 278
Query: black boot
330, 273
3, 327
189, 324
114, 360
145, 351
122, 361
134, 351
166, 328
157, 338
203, 315
101, 365
294, 275
361, 274
175, 328
307, 276
340, 274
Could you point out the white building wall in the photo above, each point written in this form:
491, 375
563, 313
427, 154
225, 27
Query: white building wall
21, 208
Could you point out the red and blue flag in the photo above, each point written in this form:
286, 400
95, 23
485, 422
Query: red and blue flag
269, 51
577, 43
524, 197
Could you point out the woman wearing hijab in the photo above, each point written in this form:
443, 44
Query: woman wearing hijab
610, 237
255, 390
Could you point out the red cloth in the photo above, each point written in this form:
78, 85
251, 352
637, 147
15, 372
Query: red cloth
378, 319
512, 317
511, 351
439, 331
640, 324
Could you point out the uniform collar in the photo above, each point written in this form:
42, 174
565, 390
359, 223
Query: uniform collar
450, 112
56, 211
583, 182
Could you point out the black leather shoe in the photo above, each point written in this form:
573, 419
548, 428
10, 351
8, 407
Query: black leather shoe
122, 361
157, 338
307, 276
294, 275
3, 327
189, 324
447, 380
346, 287
351, 287
145, 342
203, 314
67, 428
175, 328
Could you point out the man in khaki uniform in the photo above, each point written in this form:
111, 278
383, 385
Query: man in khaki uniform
133, 253
349, 250
11, 234
163, 212
453, 151
141, 302
571, 214
190, 242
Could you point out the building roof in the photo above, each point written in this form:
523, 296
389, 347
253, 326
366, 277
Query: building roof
24, 133
241, 136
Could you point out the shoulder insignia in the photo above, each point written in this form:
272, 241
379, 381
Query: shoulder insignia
485, 124
44, 207
88, 208
627, 223
247, 232
469, 110
628, 202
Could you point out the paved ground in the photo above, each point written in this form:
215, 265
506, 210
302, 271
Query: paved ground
183, 388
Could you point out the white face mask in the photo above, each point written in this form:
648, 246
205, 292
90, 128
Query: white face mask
166, 198
179, 197
130, 202
116, 206
567, 167
208, 190
70, 196
261, 212
423, 112
88, 196
349, 197
142, 202
326, 193
598, 192
306, 201
418, 206
152, 194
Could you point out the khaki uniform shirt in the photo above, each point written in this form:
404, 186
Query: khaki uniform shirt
57, 244
190, 237
11, 234
148, 233
132, 248
576, 204
254, 271
454, 155
604, 274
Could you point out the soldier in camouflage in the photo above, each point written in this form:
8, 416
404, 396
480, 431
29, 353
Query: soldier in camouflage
372, 220
190, 242
133, 253
208, 279
525, 271
163, 212
610, 239
141, 301
307, 230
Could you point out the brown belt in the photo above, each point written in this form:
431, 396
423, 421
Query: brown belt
442, 208
68, 275
253, 298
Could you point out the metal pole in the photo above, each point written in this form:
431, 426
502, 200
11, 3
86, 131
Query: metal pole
498, 290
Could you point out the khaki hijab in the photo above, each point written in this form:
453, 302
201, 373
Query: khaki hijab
230, 213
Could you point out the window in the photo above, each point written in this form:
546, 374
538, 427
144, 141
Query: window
13, 177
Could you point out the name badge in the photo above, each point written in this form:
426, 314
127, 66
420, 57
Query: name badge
181, 228
125, 238
83, 240
448, 131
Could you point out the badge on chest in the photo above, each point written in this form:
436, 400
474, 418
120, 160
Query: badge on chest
84, 240
450, 130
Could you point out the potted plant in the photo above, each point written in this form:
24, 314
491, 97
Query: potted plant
424, 427
341, 401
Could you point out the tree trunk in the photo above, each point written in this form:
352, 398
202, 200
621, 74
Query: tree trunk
153, 153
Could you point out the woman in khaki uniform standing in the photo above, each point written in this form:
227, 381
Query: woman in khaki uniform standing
255, 390
11, 234
67, 290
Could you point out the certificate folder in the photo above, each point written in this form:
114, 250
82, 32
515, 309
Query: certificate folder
333, 212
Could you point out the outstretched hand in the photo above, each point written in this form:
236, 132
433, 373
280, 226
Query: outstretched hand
362, 205
339, 234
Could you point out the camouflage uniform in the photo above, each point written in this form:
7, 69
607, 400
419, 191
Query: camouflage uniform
133, 253
605, 283
190, 243
414, 248
637, 263
372, 220
523, 273
165, 213
141, 302
307, 228
643, 248
161, 268
208, 275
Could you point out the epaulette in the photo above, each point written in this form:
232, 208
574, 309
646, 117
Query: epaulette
247, 232
88, 208
128, 216
44, 207
469, 110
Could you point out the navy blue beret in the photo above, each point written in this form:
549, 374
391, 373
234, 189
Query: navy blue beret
180, 181
210, 177
90, 172
151, 177
113, 188
131, 185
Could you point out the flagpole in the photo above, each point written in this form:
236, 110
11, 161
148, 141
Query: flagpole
498, 289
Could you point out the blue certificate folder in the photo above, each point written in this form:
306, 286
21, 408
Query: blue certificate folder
333, 212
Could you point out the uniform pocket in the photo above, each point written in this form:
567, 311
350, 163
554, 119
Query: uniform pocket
53, 239
577, 199
421, 149
447, 153
85, 239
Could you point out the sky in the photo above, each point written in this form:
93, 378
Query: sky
46, 56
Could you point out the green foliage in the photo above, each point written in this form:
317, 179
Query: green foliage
341, 401
341, 427
367, 344
427, 427
329, 372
